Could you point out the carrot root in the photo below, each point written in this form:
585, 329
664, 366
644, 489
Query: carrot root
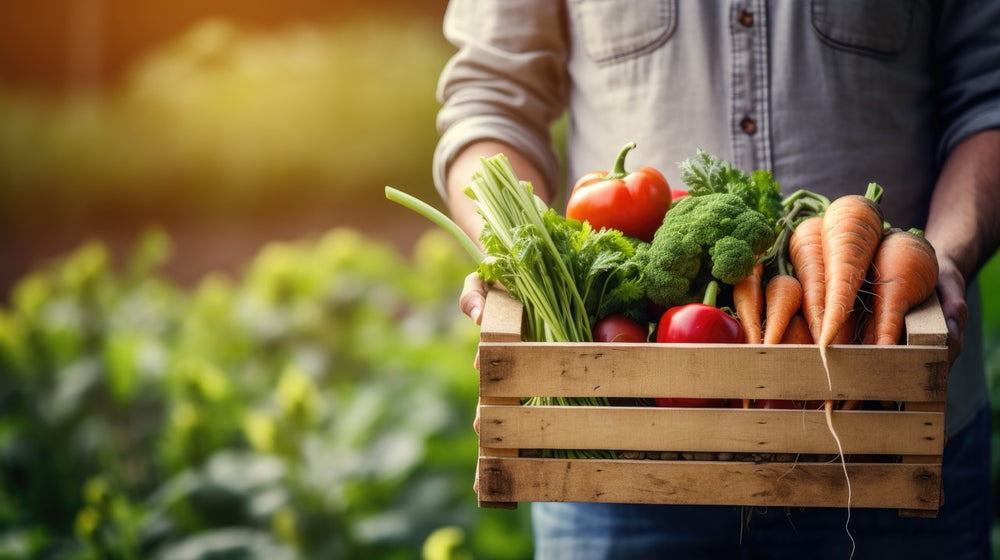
828, 410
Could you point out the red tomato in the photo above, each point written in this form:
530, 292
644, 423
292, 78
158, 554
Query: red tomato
677, 194
690, 403
619, 328
698, 322
633, 202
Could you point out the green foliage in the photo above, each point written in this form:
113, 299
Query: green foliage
706, 174
317, 406
988, 278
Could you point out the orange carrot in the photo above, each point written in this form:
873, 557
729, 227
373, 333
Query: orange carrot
748, 300
805, 250
797, 331
848, 333
903, 274
852, 230
783, 299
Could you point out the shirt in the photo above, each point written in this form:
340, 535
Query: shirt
829, 95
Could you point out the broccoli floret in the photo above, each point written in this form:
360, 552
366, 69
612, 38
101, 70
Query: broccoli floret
711, 236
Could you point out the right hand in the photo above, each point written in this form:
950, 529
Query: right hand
473, 297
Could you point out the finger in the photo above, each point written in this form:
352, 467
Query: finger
473, 297
951, 293
475, 426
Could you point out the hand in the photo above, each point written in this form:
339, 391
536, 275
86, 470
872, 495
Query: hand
471, 302
473, 297
951, 292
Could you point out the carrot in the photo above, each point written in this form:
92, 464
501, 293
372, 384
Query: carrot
748, 300
903, 274
797, 331
851, 233
848, 333
852, 230
783, 299
805, 250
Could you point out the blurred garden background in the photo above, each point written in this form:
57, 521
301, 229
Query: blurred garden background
217, 338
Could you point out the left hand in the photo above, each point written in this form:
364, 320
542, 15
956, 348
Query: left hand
951, 292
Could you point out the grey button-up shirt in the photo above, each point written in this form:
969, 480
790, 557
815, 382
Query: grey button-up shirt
828, 94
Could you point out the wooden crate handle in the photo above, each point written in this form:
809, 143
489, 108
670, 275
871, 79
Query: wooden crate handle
503, 317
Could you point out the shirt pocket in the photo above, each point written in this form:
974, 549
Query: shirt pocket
616, 30
871, 27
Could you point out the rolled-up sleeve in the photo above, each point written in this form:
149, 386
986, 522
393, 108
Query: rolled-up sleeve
506, 82
967, 59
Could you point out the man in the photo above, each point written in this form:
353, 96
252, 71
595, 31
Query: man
829, 95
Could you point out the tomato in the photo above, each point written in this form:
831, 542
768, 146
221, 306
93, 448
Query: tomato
700, 323
633, 202
677, 194
619, 328
690, 402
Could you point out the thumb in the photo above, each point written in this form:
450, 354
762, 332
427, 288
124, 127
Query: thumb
473, 297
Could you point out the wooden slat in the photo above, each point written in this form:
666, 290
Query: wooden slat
502, 319
896, 373
925, 324
914, 487
708, 429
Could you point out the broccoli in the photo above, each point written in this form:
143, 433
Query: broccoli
709, 236
705, 173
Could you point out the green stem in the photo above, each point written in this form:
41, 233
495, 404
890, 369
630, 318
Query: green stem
711, 293
439, 218
618, 171
874, 192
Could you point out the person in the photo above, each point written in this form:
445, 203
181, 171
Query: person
829, 95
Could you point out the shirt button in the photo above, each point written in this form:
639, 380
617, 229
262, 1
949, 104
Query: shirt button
748, 125
745, 18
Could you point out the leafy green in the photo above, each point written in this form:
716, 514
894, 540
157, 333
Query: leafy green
705, 173
566, 274
318, 405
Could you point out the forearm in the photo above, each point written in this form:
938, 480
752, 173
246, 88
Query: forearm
963, 222
467, 163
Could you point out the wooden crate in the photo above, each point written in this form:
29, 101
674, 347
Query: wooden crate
893, 456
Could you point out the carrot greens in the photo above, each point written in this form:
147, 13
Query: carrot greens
565, 273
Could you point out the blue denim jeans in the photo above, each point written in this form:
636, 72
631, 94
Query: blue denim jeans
575, 531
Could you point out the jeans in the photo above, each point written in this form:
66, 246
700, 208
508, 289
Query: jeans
584, 531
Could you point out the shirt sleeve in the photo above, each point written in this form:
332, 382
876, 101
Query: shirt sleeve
506, 82
967, 66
